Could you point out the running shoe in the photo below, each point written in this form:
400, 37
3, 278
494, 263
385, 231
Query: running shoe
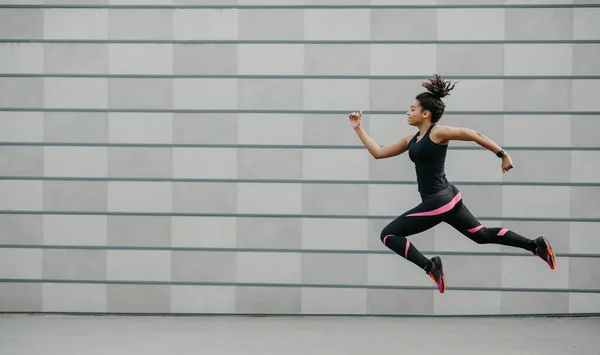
437, 273
545, 252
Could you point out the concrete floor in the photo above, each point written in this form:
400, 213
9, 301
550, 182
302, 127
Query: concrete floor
65, 335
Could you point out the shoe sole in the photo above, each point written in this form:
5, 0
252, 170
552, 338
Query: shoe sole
550, 252
441, 266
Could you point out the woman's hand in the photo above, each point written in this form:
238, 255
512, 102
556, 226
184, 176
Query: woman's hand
507, 163
355, 119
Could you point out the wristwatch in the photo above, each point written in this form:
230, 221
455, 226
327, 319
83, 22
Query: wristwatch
500, 154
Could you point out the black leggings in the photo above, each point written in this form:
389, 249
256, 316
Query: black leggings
444, 206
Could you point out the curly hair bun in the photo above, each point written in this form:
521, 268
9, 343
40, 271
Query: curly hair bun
439, 87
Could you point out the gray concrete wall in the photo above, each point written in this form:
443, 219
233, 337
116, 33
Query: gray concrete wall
144, 173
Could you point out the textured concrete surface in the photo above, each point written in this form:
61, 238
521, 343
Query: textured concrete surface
65, 335
136, 130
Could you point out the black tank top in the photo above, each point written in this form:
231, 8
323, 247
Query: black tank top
429, 159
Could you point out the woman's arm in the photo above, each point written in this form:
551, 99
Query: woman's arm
445, 134
377, 151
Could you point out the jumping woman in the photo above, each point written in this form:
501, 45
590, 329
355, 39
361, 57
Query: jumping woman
440, 200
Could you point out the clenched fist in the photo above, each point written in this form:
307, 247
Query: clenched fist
355, 119
507, 163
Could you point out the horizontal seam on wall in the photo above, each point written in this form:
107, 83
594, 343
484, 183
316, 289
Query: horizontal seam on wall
273, 215
268, 146
305, 7
291, 112
276, 250
291, 181
290, 41
295, 285
298, 77
296, 314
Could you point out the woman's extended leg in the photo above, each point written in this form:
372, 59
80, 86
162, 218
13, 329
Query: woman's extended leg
464, 221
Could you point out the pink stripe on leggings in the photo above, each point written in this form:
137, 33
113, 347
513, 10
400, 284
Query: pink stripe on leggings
473, 230
445, 208
502, 232
406, 249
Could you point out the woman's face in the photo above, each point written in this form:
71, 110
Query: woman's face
415, 114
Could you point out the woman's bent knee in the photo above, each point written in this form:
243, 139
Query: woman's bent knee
384, 235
